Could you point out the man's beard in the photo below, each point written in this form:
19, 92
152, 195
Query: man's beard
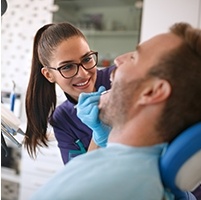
117, 107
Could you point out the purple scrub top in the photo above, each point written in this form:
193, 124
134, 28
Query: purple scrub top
72, 135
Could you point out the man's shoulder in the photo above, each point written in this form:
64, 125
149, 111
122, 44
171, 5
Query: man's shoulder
109, 170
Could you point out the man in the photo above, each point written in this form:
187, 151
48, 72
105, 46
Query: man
155, 94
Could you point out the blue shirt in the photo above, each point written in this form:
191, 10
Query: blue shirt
117, 172
72, 135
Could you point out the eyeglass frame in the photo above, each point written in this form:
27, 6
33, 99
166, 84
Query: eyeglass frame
78, 65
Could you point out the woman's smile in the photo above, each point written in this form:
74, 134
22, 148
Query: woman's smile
82, 84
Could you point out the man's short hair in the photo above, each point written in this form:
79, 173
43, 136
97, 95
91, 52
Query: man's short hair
182, 69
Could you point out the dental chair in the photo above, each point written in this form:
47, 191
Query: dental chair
180, 165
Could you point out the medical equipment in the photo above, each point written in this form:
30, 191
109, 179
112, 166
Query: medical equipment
104, 92
9, 127
12, 98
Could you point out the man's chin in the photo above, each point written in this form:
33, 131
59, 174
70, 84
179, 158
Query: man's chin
104, 118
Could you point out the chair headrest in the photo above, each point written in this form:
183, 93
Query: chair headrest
180, 165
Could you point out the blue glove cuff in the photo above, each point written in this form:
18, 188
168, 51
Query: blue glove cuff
100, 135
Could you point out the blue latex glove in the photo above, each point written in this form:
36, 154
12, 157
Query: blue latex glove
88, 112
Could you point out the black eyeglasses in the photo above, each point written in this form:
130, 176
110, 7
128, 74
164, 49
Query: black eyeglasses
71, 69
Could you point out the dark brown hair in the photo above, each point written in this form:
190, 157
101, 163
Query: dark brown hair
182, 69
41, 95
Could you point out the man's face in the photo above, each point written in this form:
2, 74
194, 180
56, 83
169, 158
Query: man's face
129, 79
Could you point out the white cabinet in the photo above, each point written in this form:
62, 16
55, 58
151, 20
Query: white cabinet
111, 44
35, 173
111, 27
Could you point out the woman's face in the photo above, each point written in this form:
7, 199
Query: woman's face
72, 50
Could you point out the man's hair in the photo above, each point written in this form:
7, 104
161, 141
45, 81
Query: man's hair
182, 69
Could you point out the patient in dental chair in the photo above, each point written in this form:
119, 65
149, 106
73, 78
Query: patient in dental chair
155, 95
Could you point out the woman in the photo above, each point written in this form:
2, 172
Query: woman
61, 55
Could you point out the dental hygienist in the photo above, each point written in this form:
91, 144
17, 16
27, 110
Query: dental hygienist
61, 55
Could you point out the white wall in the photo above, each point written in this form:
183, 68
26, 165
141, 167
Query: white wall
159, 15
18, 27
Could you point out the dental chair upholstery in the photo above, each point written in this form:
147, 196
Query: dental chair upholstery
180, 165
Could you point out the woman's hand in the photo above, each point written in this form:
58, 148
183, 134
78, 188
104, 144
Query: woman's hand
88, 112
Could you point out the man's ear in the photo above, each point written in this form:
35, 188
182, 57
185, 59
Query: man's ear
157, 91
49, 76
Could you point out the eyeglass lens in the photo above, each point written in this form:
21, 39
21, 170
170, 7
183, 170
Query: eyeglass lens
71, 69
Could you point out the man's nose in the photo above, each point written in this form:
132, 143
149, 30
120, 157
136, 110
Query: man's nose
118, 60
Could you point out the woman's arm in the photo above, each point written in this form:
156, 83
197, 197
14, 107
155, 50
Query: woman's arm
72, 135
69, 144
